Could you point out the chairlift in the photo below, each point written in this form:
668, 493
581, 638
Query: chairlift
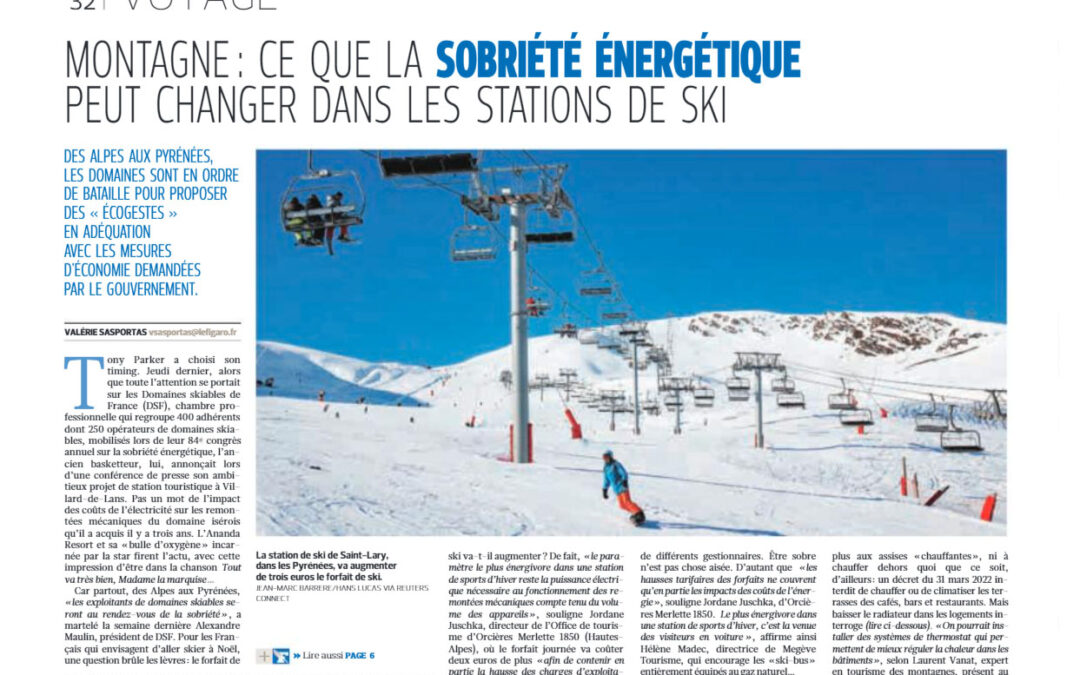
842, 400
738, 395
791, 399
567, 330
472, 242
428, 165
536, 307
595, 283
783, 385
650, 406
932, 421
548, 227
319, 202
957, 439
736, 383
537, 304
672, 400
856, 417
704, 396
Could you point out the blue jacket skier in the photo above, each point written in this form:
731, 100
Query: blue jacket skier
618, 479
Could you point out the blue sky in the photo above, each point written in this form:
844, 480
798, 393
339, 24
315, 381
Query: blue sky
683, 232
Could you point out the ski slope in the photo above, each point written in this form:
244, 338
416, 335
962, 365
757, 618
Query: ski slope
417, 469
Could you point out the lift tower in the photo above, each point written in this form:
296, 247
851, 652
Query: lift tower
484, 192
638, 335
757, 362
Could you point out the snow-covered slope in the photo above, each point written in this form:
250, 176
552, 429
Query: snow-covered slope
355, 469
298, 372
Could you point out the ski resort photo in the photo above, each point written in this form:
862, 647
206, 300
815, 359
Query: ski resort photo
631, 343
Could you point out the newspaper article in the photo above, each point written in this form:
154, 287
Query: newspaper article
605, 339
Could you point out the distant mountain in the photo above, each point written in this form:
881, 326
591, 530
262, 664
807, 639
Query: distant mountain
932, 348
299, 372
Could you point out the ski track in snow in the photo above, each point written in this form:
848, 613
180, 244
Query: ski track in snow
351, 472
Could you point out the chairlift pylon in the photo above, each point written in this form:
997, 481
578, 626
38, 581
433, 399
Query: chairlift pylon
958, 439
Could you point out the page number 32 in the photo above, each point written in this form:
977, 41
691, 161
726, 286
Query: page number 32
82, 4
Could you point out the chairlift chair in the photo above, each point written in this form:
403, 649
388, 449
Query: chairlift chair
736, 383
595, 283
319, 202
791, 399
932, 421
783, 385
704, 397
472, 242
567, 330
957, 439
548, 227
738, 395
536, 307
428, 165
537, 303
842, 400
672, 400
650, 406
855, 417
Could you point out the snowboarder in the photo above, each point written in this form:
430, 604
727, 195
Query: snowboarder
617, 479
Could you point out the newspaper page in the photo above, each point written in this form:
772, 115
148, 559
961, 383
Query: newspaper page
575, 338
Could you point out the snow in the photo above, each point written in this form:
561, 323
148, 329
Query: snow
417, 469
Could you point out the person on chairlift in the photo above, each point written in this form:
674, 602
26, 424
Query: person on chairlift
302, 234
333, 201
316, 221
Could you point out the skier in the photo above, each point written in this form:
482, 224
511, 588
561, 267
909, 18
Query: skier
318, 231
302, 234
334, 202
616, 478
